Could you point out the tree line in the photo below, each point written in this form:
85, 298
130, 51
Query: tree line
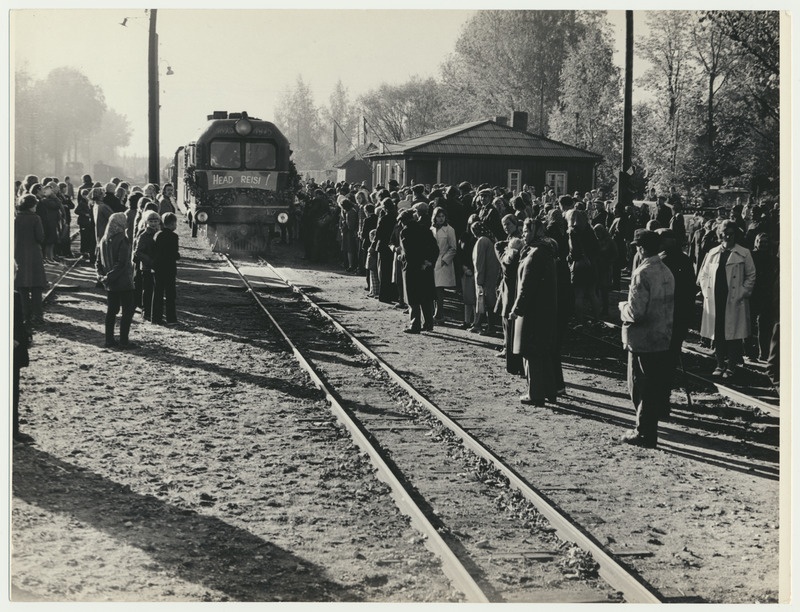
61, 118
708, 113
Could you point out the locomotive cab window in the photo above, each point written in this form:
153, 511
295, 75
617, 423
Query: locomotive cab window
259, 156
225, 154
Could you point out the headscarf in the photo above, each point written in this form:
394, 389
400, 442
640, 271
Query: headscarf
117, 224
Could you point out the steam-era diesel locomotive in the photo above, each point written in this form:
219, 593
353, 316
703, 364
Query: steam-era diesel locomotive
235, 182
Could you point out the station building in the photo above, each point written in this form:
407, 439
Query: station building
487, 151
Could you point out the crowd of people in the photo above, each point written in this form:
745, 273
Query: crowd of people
519, 264
127, 233
523, 265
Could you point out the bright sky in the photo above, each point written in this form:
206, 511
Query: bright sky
233, 59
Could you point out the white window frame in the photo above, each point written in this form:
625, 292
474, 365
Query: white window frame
552, 182
378, 173
511, 187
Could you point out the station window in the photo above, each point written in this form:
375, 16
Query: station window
514, 177
225, 154
557, 181
259, 156
378, 173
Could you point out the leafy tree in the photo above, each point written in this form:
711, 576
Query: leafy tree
400, 112
299, 119
668, 50
345, 114
509, 60
67, 106
755, 38
589, 111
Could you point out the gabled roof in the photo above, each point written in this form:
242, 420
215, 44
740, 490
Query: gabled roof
359, 151
485, 138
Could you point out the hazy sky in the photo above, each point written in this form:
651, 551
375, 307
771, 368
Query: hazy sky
233, 59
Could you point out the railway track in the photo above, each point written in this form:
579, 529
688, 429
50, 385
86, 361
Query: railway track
396, 435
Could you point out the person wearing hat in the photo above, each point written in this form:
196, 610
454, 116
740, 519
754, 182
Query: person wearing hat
647, 317
418, 254
489, 214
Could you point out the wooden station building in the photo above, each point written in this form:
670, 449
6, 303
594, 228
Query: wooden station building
487, 151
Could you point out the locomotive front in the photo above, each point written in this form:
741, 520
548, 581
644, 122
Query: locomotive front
238, 184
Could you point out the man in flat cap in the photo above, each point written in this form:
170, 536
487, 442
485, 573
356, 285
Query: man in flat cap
647, 318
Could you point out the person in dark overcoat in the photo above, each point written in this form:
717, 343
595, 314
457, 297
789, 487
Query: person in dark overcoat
51, 213
535, 312
383, 243
508, 252
418, 254
30, 279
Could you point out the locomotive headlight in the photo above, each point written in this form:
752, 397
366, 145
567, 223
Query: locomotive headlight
202, 217
243, 127
243, 230
283, 218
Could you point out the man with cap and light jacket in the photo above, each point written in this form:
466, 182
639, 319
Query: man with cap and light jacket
647, 318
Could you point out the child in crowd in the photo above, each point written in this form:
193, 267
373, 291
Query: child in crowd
165, 270
144, 253
372, 265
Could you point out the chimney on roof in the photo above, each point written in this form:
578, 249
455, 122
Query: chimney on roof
519, 121
502, 120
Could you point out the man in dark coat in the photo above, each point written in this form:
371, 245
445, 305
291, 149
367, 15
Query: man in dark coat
419, 252
683, 311
535, 311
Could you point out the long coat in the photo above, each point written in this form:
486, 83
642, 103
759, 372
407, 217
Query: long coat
487, 271
536, 303
417, 247
740, 272
51, 213
28, 240
509, 265
444, 273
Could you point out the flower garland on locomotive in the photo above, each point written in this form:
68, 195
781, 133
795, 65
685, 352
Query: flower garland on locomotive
236, 182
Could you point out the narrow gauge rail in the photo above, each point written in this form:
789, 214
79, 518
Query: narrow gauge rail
63, 273
452, 567
618, 575
767, 403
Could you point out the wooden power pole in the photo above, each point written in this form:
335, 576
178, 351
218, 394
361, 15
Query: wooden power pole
154, 163
624, 193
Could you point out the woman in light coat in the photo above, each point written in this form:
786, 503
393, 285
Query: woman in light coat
727, 279
444, 274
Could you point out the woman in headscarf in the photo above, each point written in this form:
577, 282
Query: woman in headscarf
30, 278
115, 271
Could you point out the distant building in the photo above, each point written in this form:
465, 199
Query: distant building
488, 151
353, 168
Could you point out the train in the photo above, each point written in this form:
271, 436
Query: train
236, 182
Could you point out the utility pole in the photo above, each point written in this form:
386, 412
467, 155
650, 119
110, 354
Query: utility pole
154, 163
624, 196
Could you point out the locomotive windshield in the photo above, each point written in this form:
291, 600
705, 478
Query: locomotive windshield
259, 156
225, 154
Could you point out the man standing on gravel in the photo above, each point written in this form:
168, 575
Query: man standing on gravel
646, 334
